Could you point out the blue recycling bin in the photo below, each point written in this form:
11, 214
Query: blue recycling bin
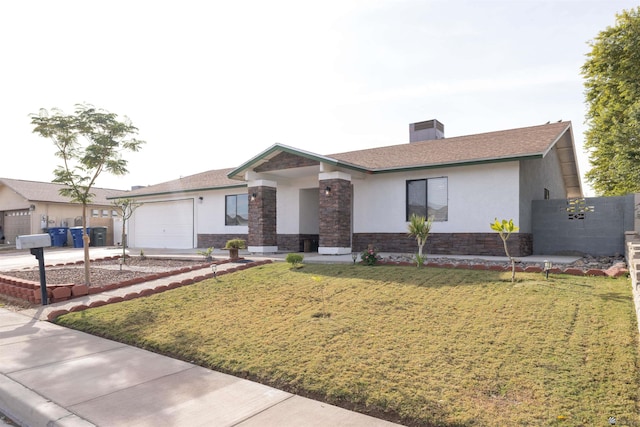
58, 236
76, 235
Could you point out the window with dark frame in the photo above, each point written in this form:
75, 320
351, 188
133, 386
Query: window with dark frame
236, 209
428, 198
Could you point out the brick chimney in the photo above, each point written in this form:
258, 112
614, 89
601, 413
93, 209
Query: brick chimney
427, 130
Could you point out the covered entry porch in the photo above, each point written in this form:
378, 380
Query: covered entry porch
295, 198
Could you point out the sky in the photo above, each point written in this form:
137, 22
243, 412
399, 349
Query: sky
211, 84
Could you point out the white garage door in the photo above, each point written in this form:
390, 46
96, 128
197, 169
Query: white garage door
16, 223
164, 225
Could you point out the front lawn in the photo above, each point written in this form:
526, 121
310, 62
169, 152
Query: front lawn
420, 346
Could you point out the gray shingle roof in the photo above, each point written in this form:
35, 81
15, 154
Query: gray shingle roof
49, 192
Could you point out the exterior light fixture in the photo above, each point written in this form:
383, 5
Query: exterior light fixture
354, 256
253, 196
214, 270
547, 267
327, 190
201, 199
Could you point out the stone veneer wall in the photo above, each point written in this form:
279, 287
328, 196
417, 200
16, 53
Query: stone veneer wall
335, 213
295, 242
217, 240
520, 244
285, 161
262, 217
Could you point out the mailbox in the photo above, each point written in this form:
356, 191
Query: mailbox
30, 241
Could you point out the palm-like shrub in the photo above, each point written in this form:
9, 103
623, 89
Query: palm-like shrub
419, 227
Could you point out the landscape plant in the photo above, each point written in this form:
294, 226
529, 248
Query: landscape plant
294, 259
206, 253
233, 245
537, 352
504, 228
612, 90
419, 227
125, 208
370, 256
88, 142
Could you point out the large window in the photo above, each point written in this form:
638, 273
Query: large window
237, 210
428, 198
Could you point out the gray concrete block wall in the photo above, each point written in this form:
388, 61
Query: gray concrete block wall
601, 232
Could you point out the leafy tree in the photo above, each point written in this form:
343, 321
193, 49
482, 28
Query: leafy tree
613, 98
89, 142
419, 227
125, 208
504, 229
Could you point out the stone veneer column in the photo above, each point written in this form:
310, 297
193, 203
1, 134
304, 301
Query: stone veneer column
335, 213
262, 236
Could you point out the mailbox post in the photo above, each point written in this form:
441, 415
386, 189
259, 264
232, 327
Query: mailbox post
36, 243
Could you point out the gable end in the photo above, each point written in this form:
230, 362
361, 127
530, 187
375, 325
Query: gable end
285, 160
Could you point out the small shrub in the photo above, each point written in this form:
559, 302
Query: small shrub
504, 228
207, 254
420, 260
294, 259
235, 244
369, 256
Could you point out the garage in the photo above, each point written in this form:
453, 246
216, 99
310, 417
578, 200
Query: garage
16, 223
163, 225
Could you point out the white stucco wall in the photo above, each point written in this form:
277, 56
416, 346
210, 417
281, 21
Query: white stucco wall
290, 220
476, 194
210, 212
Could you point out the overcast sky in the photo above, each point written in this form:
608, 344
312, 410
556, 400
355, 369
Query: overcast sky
210, 84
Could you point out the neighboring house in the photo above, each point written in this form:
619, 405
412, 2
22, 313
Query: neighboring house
30, 207
287, 199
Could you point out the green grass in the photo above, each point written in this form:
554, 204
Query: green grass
421, 346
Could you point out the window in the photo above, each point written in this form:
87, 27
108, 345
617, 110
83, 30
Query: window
428, 198
95, 213
237, 210
105, 212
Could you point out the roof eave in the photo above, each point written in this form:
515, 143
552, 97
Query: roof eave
457, 164
182, 191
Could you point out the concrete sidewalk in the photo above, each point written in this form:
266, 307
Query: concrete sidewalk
54, 376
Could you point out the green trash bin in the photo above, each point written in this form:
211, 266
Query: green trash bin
98, 236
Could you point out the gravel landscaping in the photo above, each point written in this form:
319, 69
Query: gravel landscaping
103, 272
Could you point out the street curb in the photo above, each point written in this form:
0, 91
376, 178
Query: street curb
28, 408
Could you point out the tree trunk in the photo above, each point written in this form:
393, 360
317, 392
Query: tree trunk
124, 239
85, 244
